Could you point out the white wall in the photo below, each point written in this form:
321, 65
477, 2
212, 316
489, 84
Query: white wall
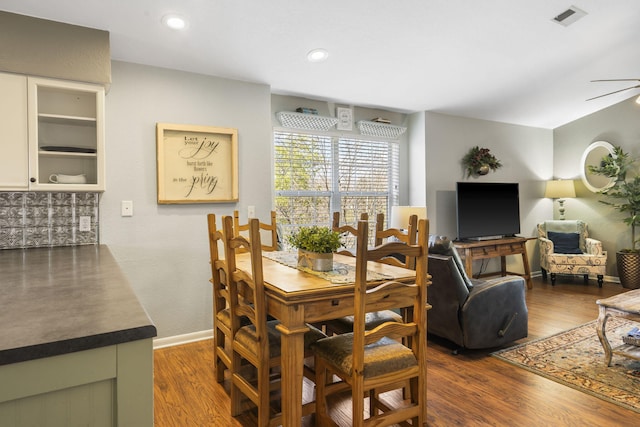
417, 161
619, 125
163, 249
526, 155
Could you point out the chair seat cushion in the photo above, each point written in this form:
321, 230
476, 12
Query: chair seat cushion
577, 259
565, 243
224, 317
246, 336
371, 320
381, 357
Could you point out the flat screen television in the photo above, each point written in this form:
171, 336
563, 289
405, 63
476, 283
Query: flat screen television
487, 210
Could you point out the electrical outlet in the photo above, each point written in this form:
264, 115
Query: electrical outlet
85, 223
127, 208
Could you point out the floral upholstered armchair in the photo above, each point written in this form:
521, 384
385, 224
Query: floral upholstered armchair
566, 248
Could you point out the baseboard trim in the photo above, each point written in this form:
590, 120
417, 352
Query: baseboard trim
182, 339
613, 279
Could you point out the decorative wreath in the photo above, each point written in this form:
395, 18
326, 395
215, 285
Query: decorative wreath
478, 161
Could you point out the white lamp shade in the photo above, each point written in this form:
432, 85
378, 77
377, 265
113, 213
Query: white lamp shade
400, 215
560, 189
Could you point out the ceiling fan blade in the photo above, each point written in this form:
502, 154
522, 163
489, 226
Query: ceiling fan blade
617, 80
611, 93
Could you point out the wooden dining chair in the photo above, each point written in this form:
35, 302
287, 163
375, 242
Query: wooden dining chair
371, 361
257, 343
347, 231
344, 324
269, 227
221, 311
407, 236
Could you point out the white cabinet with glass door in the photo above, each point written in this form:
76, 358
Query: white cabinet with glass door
66, 135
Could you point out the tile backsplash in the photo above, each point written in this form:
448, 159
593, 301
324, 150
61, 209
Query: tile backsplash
43, 219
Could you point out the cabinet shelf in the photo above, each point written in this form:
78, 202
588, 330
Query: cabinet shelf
67, 120
65, 154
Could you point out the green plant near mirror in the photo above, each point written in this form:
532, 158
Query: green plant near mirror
623, 196
478, 161
614, 165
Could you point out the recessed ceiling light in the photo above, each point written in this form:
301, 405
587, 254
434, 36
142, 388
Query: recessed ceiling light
317, 55
175, 22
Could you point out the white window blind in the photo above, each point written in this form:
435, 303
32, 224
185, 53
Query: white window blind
316, 175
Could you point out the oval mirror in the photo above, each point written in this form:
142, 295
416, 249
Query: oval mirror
592, 156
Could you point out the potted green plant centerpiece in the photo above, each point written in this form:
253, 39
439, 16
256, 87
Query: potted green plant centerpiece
315, 247
479, 161
624, 196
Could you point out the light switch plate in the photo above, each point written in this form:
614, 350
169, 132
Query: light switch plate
251, 211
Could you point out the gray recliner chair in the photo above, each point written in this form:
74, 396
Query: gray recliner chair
473, 314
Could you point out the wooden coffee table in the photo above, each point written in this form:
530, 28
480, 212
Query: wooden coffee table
625, 305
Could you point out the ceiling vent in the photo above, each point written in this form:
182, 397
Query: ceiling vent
569, 16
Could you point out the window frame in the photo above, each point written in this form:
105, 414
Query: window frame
391, 194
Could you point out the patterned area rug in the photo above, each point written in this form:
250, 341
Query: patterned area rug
575, 358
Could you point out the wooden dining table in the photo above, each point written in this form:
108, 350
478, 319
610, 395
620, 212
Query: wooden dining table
296, 297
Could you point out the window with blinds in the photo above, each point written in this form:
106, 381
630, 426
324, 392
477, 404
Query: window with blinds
316, 175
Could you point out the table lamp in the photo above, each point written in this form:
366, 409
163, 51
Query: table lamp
560, 189
400, 215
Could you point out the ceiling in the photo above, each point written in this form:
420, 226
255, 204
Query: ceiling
501, 60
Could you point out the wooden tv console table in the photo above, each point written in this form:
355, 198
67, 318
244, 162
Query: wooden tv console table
483, 249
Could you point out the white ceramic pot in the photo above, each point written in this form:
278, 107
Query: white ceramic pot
315, 261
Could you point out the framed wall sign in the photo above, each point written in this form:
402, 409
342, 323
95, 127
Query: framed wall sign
345, 118
196, 164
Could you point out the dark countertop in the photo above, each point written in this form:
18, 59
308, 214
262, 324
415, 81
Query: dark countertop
60, 300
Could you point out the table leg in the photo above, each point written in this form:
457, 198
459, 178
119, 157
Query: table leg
602, 334
468, 263
525, 265
292, 366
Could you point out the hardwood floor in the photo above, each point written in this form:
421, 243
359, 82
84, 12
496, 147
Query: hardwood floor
469, 389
